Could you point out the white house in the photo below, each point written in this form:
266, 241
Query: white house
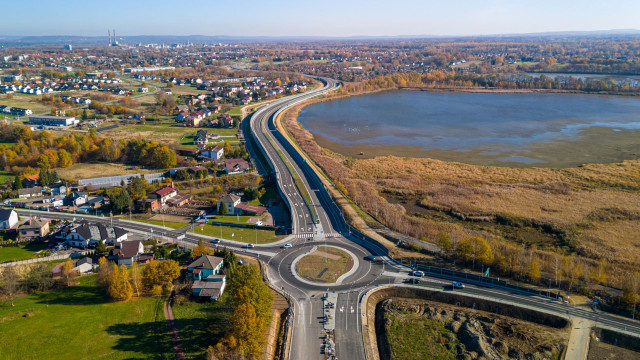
87, 235
8, 218
213, 153
230, 200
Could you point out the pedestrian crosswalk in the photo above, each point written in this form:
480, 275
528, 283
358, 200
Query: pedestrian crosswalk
312, 235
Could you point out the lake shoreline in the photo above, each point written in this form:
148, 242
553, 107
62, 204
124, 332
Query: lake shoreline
549, 143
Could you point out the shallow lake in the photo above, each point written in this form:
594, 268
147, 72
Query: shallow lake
544, 130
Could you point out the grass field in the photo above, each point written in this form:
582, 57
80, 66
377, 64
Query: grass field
239, 234
201, 324
91, 170
5, 175
15, 253
27, 102
325, 264
411, 336
78, 323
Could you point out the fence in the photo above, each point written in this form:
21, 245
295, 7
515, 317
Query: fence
48, 258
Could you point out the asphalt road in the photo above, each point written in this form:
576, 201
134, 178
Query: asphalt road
306, 341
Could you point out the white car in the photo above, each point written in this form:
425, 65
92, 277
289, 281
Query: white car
249, 246
286, 246
417, 273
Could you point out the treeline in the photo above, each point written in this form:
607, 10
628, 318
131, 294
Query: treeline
111, 110
455, 79
121, 283
251, 300
42, 150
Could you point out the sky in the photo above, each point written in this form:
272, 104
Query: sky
313, 18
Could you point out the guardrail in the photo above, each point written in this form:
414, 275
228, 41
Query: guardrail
483, 281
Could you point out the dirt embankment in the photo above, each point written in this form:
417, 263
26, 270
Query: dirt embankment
472, 330
609, 345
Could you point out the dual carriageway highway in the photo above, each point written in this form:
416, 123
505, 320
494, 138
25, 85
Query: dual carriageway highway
318, 221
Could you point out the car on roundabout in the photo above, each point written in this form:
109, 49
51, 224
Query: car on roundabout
286, 246
417, 273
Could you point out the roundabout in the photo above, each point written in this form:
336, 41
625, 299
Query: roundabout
325, 265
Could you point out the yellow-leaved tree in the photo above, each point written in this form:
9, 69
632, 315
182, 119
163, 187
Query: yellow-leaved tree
119, 284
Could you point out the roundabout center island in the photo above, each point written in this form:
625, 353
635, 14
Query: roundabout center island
325, 265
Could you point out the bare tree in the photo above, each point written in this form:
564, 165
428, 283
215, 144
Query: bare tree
10, 283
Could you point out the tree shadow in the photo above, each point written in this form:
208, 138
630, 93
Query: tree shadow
74, 295
150, 339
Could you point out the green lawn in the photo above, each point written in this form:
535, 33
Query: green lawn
11, 253
236, 110
239, 234
201, 324
6, 175
79, 323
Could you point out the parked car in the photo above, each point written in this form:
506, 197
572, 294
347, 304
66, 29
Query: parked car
457, 285
286, 246
417, 273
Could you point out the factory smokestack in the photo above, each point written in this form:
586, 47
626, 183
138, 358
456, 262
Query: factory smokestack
109, 41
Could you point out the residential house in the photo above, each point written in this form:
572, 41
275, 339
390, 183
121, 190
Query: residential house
31, 181
149, 205
78, 198
83, 265
8, 218
97, 202
59, 188
213, 153
54, 200
208, 282
236, 166
182, 116
87, 235
182, 108
127, 252
230, 201
33, 228
164, 193
201, 137
193, 120
31, 192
